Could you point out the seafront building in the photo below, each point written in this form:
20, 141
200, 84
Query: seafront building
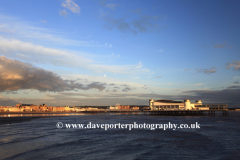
174, 105
182, 105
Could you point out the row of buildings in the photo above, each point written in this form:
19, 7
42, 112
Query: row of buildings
44, 108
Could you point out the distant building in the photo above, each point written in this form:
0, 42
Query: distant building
67, 109
4, 109
58, 109
113, 107
119, 107
134, 108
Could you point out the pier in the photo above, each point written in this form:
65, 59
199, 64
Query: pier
223, 112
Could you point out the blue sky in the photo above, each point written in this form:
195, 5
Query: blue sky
67, 52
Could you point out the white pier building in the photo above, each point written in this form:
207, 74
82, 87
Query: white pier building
176, 105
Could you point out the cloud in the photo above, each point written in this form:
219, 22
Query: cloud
116, 87
114, 90
230, 96
71, 5
120, 24
207, 71
6, 30
123, 69
233, 87
126, 89
219, 45
65, 58
108, 45
222, 45
186, 69
63, 13
142, 24
25, 30
198, 84
25, 51
159, 77
7, 101
111, 6
16, 75
145, 87
235, 64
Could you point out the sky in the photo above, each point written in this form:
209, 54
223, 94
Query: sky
104, 52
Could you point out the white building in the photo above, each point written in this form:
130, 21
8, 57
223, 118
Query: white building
176, 105
112, 107
15, 109
68, 109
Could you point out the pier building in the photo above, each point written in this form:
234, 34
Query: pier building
176, 105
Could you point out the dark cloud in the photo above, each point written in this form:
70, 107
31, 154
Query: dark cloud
126, 89
158, 76
186, 69
233, 87
11, 92
230, 96
236, 82
235, 64
207, 71
15, 75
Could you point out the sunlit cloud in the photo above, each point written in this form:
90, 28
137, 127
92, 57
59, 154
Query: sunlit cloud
62, 58
71, 5
18, 29
15, 75
235, 65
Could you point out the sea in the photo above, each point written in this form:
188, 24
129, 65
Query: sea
40, 137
